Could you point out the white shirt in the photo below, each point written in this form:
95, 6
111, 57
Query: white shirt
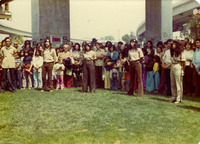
91, 55
57, 70
167, 57
8, 57
99, 62
37, 62
135, 54
188, 56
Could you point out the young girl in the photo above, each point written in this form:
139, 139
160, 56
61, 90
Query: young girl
114, 77
37, 70
156, 74
27, 66
59, 71
120, 63
107, 66
149, 68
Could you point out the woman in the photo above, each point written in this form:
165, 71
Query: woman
49, 57
113, 53
177, 72
68, 60
187, 79
77, 66
89, 70
149, 48
135, 56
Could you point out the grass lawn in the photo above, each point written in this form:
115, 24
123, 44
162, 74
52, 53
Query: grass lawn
106, 117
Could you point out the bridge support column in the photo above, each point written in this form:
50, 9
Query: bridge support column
158, 20
50, 17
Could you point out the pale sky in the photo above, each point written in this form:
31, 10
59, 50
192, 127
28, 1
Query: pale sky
88, 18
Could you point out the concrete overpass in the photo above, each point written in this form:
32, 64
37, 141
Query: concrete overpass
182, 13
11, 31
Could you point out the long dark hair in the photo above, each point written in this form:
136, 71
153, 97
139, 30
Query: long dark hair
27, 42
178, 50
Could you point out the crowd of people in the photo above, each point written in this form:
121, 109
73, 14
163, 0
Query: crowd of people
172, 67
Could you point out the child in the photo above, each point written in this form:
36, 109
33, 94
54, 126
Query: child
27, 66
127, 75
76, 71
120, 63
123, 80
149, 68
114, 77
156, 74
37, 70
59, 71
107, 66
18, 71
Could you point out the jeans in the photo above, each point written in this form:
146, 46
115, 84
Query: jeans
37, 78
18, 78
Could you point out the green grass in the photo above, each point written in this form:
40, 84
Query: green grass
106, 117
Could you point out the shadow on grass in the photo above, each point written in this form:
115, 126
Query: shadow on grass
190, 98
190, 108
158, 99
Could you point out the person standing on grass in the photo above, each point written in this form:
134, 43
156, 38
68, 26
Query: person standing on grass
77, 66
135, 56
49, 59
99, 65
196, 64
26, 72
114, 77
89, 69
59, 71
187, 79
8, 65
166, 65
37, 69
177, 72
68, 60
18, 80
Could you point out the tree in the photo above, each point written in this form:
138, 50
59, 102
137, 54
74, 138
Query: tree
127, 37
108, 38
194, 27
19, 39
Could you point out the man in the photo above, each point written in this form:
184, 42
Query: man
8, 65
17, 47
167, 66
196, 64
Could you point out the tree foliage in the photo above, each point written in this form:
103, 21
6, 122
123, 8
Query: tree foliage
127, 37
19, 39
194, 27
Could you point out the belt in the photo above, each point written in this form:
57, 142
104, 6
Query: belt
135, 61
48, 62
88, 60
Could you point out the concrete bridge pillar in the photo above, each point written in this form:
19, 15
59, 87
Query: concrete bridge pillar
158, 20
50, 17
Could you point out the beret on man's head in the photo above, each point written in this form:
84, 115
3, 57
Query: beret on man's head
133, 40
